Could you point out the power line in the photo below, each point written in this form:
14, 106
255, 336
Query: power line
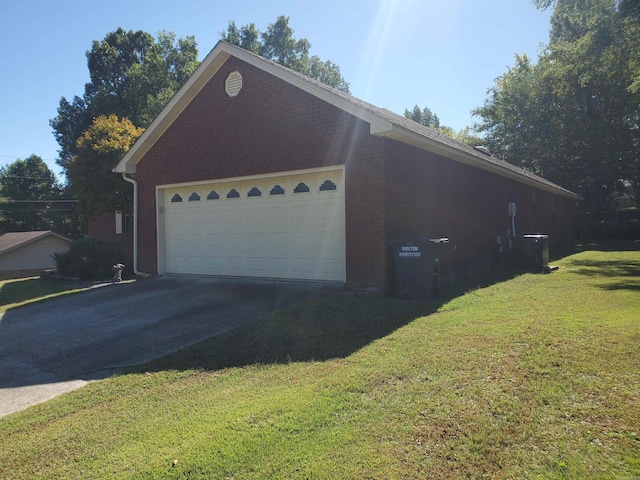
31, 178
37, 201
19, 157
37, 210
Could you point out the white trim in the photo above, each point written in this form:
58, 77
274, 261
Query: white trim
379, 125
409, 137
160, 211
207, 69
285, 173
216, 58
135, 225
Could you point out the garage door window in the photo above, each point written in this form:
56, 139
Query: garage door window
176, 198
213, 195
194, 197
277, 190
233, 193
254, 192
327, 185
301, 188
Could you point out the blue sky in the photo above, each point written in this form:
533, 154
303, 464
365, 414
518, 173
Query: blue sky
443, 54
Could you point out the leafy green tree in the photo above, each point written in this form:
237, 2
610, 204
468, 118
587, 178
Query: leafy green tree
131, 75
429, 119
325, 72
424, 117
246, 37
574, 115
516, 119
32, 198
99, 149
279, 45
466, 136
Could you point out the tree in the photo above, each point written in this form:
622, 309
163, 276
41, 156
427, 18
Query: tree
465, 135
99, 149
31, 198
246, 37
424, 117
574, 115
279, 45
429, 119
514, 120
131, 75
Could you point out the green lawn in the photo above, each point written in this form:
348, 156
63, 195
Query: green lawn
23, 291
537, 377
16, 293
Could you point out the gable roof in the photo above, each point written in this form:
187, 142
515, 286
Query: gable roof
12, 240
383, 122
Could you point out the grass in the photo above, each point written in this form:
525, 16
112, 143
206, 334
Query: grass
537, 377
16, 293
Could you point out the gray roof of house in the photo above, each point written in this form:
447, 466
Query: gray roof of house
383, 122
428, 132
12, 240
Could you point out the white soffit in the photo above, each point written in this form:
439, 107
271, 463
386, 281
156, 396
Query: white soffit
205, 71
379, 125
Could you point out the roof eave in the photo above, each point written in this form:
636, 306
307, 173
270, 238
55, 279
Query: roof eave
401, 134
205, 71
379, 125
46, 233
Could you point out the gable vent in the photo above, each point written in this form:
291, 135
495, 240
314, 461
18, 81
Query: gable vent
233, 83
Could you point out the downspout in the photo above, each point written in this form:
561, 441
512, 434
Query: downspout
135, 226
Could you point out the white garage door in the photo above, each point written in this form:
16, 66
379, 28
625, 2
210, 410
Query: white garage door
290, 226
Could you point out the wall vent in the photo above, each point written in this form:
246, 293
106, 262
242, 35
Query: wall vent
233, 83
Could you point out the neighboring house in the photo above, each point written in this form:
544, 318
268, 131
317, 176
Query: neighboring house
27, 253
255, 170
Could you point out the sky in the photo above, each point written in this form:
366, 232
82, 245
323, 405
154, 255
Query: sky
443, 54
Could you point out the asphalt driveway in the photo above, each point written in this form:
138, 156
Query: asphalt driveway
56, 346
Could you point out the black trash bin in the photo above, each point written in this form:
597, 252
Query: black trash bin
531, 252
418, 267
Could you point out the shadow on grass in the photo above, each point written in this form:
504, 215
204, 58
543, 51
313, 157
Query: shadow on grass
317, 330
629, 271
628, 285
314, 330
608, 245
606, 268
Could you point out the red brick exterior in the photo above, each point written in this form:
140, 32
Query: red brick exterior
269, 127
104, 226
391, 190
428, 195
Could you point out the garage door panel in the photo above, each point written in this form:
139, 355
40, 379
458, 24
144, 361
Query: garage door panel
293, 235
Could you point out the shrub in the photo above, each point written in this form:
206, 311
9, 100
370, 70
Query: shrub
89, 258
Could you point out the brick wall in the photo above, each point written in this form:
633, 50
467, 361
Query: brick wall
104, 226
431, 196
392, 190
269, 127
